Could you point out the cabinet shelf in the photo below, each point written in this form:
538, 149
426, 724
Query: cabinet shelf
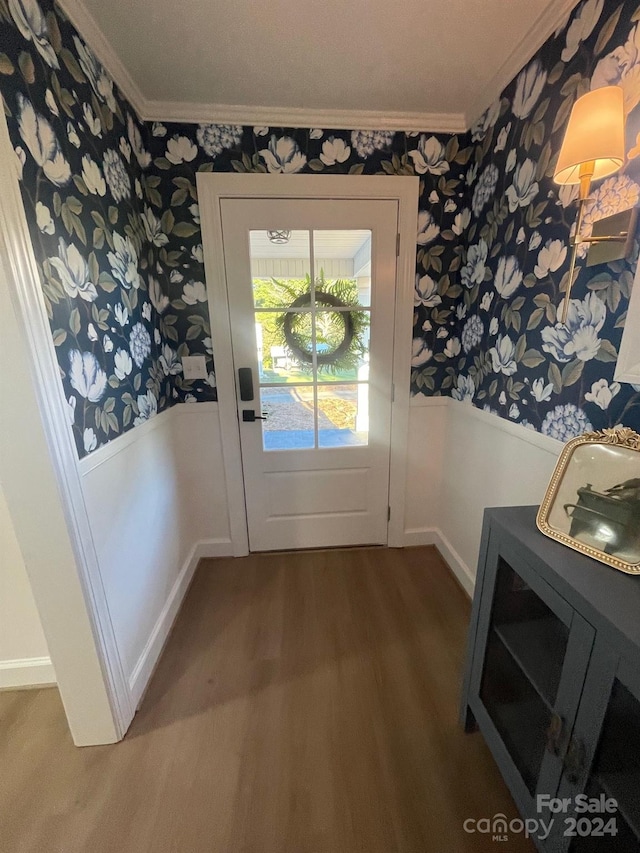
538, 647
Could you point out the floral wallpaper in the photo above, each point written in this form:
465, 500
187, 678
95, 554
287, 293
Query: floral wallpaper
510, 354
181, 150
114, 218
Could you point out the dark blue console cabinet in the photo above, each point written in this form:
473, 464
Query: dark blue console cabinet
552, 681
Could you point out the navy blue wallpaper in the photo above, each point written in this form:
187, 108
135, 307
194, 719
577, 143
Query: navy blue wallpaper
114, 218
514, 358
179, 151
83, 159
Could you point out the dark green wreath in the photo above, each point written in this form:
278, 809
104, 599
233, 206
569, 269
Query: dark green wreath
348, 353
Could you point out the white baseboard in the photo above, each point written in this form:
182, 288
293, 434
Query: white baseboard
147, 661
434, 536
25, 673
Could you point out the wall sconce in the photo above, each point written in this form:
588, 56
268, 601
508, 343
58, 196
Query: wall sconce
593, 148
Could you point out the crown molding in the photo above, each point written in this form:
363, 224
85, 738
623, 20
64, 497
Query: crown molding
88, 28
190, 113
554, 16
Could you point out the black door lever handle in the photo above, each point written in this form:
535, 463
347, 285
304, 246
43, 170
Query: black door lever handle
249, 416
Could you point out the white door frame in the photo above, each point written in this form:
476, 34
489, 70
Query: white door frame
42, 484
212, 188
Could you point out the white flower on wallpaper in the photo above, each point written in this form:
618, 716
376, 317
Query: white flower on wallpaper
72, 135
461, 222
194, 292
420, 352
566, 422
426, 292
147, 407
92, 176
524, 187
89, 440
529, 85
617, 193
474, 269
602, 393
91, 120
428, 230
157, 297
503, 136
485, 188
541, 391
135, 138
429, 156
452, 348
567, 194
503, 356
465, 389
169, 361
43, 219
508, 276
581, 27
215, 138
365, 142
550, 258
98, 78
124, 261
86, 375
283, 156
122, 364
116, 175
32, 24
579, 336
73, 272
334, 150
180, 149
486, 121
621, 67
121, 314
139, 344
153, 228
472, 333
43, 145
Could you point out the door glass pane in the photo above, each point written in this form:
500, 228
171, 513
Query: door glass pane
535, 637
616, 770
278, 359
343, 415
290, 417
280, 270
342, 345
343, 264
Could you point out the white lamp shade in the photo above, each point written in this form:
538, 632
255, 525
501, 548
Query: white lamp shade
595, 134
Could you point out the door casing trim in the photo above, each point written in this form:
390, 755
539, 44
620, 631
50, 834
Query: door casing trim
212, 189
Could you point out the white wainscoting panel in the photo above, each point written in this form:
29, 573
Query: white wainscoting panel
474, 460
156, 500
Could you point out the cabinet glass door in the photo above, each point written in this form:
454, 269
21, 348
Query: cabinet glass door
525, 689
609, 717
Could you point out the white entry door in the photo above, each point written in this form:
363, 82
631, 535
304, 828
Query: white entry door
311, 287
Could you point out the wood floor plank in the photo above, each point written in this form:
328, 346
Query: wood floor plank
305, 703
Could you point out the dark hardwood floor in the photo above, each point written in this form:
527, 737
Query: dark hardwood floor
305, 703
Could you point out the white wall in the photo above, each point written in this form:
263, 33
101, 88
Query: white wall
151, 495
24, 654
462, 460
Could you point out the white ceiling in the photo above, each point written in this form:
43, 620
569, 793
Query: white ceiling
441, 61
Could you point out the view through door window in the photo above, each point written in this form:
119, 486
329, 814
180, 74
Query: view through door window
312, 302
